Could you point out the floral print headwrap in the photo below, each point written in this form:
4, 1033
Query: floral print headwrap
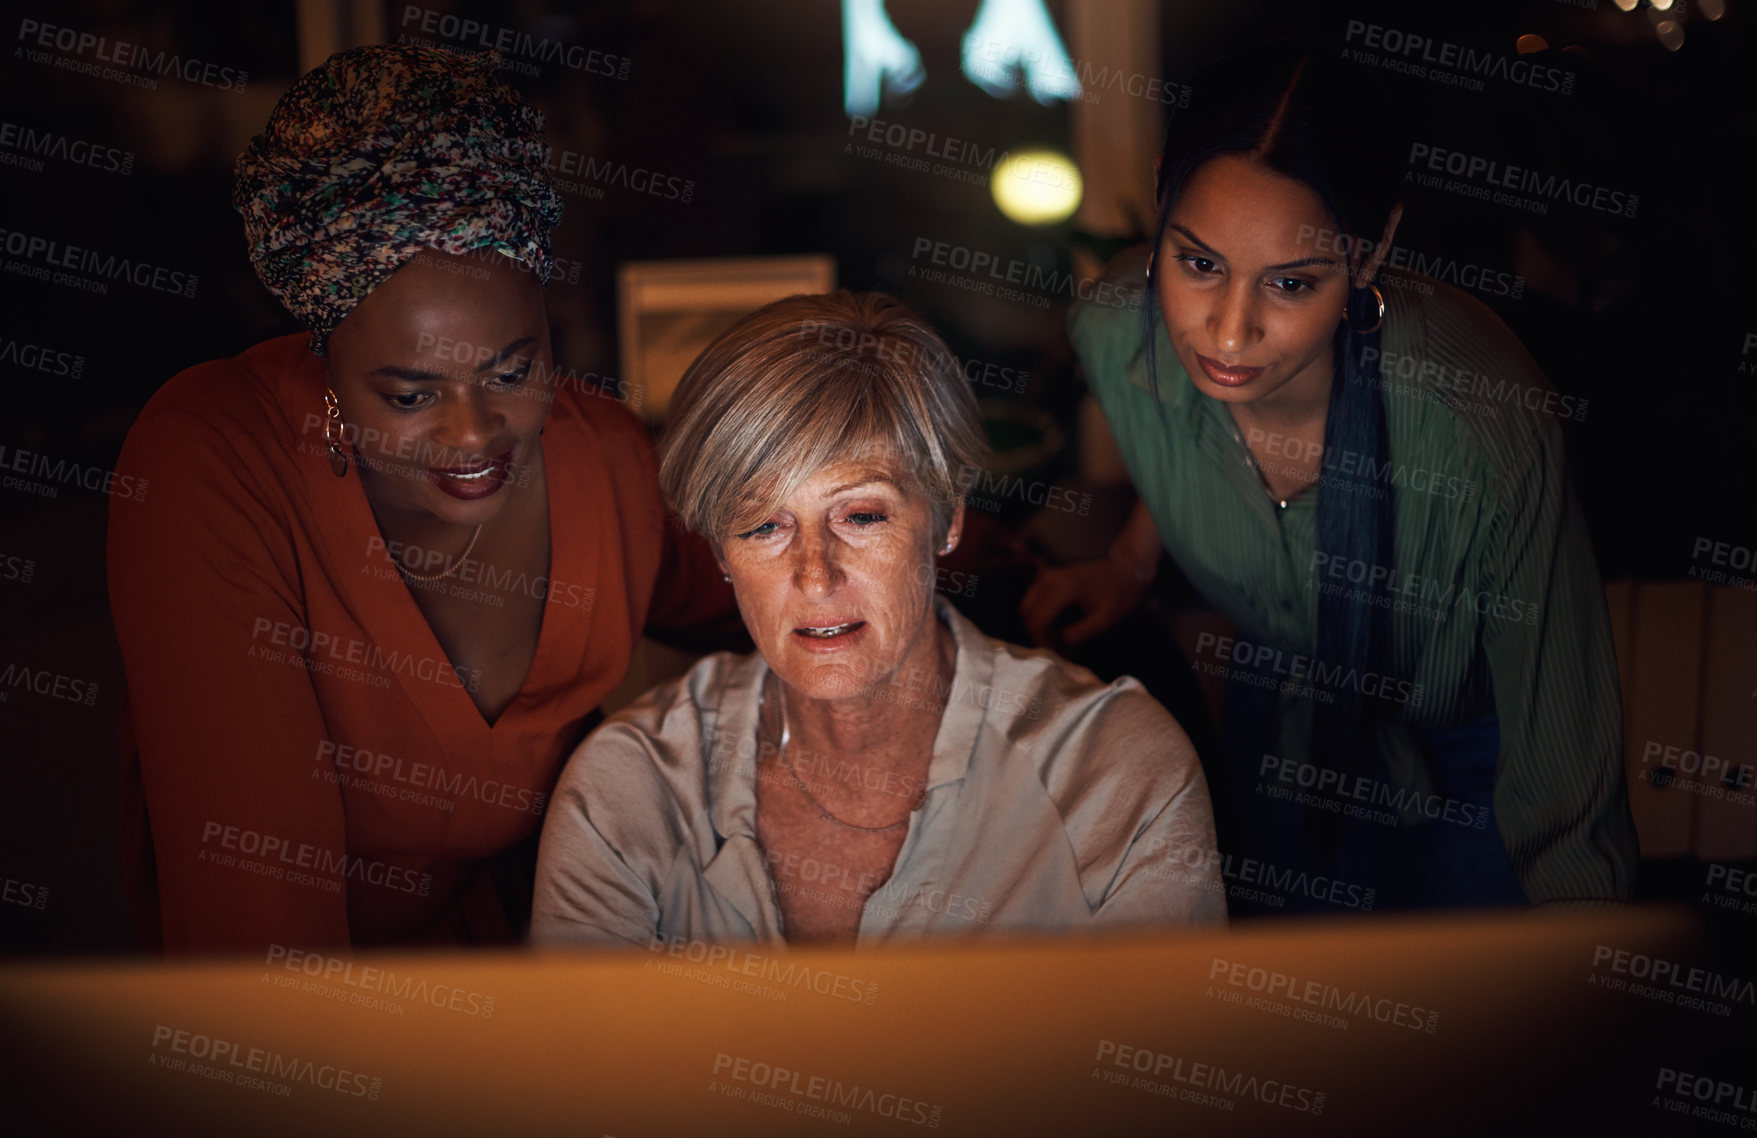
381, 153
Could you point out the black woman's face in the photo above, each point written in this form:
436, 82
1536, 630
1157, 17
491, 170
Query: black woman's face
444, 377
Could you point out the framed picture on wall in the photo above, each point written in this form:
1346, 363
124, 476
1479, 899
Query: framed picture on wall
668, 311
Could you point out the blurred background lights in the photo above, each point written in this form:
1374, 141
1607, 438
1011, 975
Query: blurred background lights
1036, 186
1010, 44
876, 59
1668, 28
1014, 40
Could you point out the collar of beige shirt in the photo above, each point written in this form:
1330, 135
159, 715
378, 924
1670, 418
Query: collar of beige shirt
732, 786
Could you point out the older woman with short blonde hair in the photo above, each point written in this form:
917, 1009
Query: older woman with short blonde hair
878, 768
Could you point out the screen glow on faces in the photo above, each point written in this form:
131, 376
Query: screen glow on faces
1250, 308
836, 585
444, 378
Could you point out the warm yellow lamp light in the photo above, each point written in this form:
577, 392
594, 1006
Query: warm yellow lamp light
1036, 186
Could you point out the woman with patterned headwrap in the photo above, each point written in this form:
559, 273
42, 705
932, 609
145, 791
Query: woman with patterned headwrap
382, 574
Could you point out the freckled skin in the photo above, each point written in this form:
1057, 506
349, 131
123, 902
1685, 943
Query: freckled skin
845, 546
460, 416
854, 542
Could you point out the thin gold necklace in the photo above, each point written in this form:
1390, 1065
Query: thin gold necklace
450, 566
1251, 461
781, 700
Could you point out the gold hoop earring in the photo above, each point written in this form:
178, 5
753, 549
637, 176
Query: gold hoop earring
332, 433
1379, 298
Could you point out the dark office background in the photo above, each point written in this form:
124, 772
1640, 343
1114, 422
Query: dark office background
1646, 318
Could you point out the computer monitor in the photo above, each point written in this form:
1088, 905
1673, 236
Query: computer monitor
1623, 1021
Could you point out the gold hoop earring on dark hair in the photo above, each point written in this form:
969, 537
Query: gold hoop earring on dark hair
332, 433
1380, 299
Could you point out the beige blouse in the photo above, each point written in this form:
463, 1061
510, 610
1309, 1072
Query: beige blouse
1054, 803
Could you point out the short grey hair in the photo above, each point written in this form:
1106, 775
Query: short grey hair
808, 382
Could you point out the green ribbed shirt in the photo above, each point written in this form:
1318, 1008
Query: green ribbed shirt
1496, 603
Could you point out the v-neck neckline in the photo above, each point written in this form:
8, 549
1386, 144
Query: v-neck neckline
1242, 472
389, 613
1222, 438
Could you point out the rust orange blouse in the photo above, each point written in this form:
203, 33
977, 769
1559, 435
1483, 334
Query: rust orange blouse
304, 767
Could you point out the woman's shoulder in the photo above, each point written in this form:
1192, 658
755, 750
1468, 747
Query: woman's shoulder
230, 424
246, 394
1111, 305
669, 738
641, 777
1077, 726
241, 414
1108, 756
1106, 322
1453, 373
